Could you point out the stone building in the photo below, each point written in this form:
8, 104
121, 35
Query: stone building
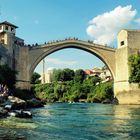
47, 77
103, 73
8, 32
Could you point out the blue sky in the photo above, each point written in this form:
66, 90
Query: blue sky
45, 20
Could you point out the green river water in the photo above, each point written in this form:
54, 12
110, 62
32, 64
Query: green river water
77, 121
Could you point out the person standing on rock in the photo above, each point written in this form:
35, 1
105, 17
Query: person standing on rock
5, 91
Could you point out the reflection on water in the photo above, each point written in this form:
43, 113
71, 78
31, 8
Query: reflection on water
127, 121
61, 121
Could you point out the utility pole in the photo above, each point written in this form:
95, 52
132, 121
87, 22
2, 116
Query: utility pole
43, 76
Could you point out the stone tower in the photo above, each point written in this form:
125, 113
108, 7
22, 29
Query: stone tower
8, 40
13, 51
7, 35
128, 44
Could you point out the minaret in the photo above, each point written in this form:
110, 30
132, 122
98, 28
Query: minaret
43, 75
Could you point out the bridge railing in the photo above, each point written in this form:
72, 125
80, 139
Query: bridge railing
55, 42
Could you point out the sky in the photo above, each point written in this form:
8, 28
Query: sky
41, 21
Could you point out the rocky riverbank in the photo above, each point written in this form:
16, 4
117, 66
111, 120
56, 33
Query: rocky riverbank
14, 106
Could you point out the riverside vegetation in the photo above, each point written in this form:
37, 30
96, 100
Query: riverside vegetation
134, 63
74, 86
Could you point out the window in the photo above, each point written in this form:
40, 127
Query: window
6, 27
12, 29
0, 27
122, 43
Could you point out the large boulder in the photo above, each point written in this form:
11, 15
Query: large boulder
115, 101
106, 101
20, 114
15, 103
97, 100
34, 103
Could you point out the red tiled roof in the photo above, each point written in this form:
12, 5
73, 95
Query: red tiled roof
88, 72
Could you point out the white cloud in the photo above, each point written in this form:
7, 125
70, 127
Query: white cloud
60, 62
104, 28
137, 20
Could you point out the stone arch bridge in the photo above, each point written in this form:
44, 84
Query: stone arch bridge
106, 54
25, 58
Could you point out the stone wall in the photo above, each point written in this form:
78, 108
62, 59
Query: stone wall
128, 44
131, 95
22, 66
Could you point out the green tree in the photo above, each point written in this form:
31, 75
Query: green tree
35, 78
69, 74
59, 90
63, 75
7, 76
79, 76
94, 80
101, 92
134, 63
56, 75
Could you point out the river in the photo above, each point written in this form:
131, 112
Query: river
78, 121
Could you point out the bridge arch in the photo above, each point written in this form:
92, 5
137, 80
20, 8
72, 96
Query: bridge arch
105, 54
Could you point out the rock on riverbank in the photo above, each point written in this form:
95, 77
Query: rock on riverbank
14, 106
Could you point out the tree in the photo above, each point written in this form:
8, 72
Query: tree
79, 76
35, 78
59, 89
94, 80
56, 75
63, 75
101, 92
68, 74
134, 63
7, 76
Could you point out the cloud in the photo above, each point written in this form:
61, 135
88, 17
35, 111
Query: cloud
60, 62
104, 28
137, 20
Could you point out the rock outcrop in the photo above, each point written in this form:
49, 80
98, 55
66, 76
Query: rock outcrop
33, 103
14, 106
